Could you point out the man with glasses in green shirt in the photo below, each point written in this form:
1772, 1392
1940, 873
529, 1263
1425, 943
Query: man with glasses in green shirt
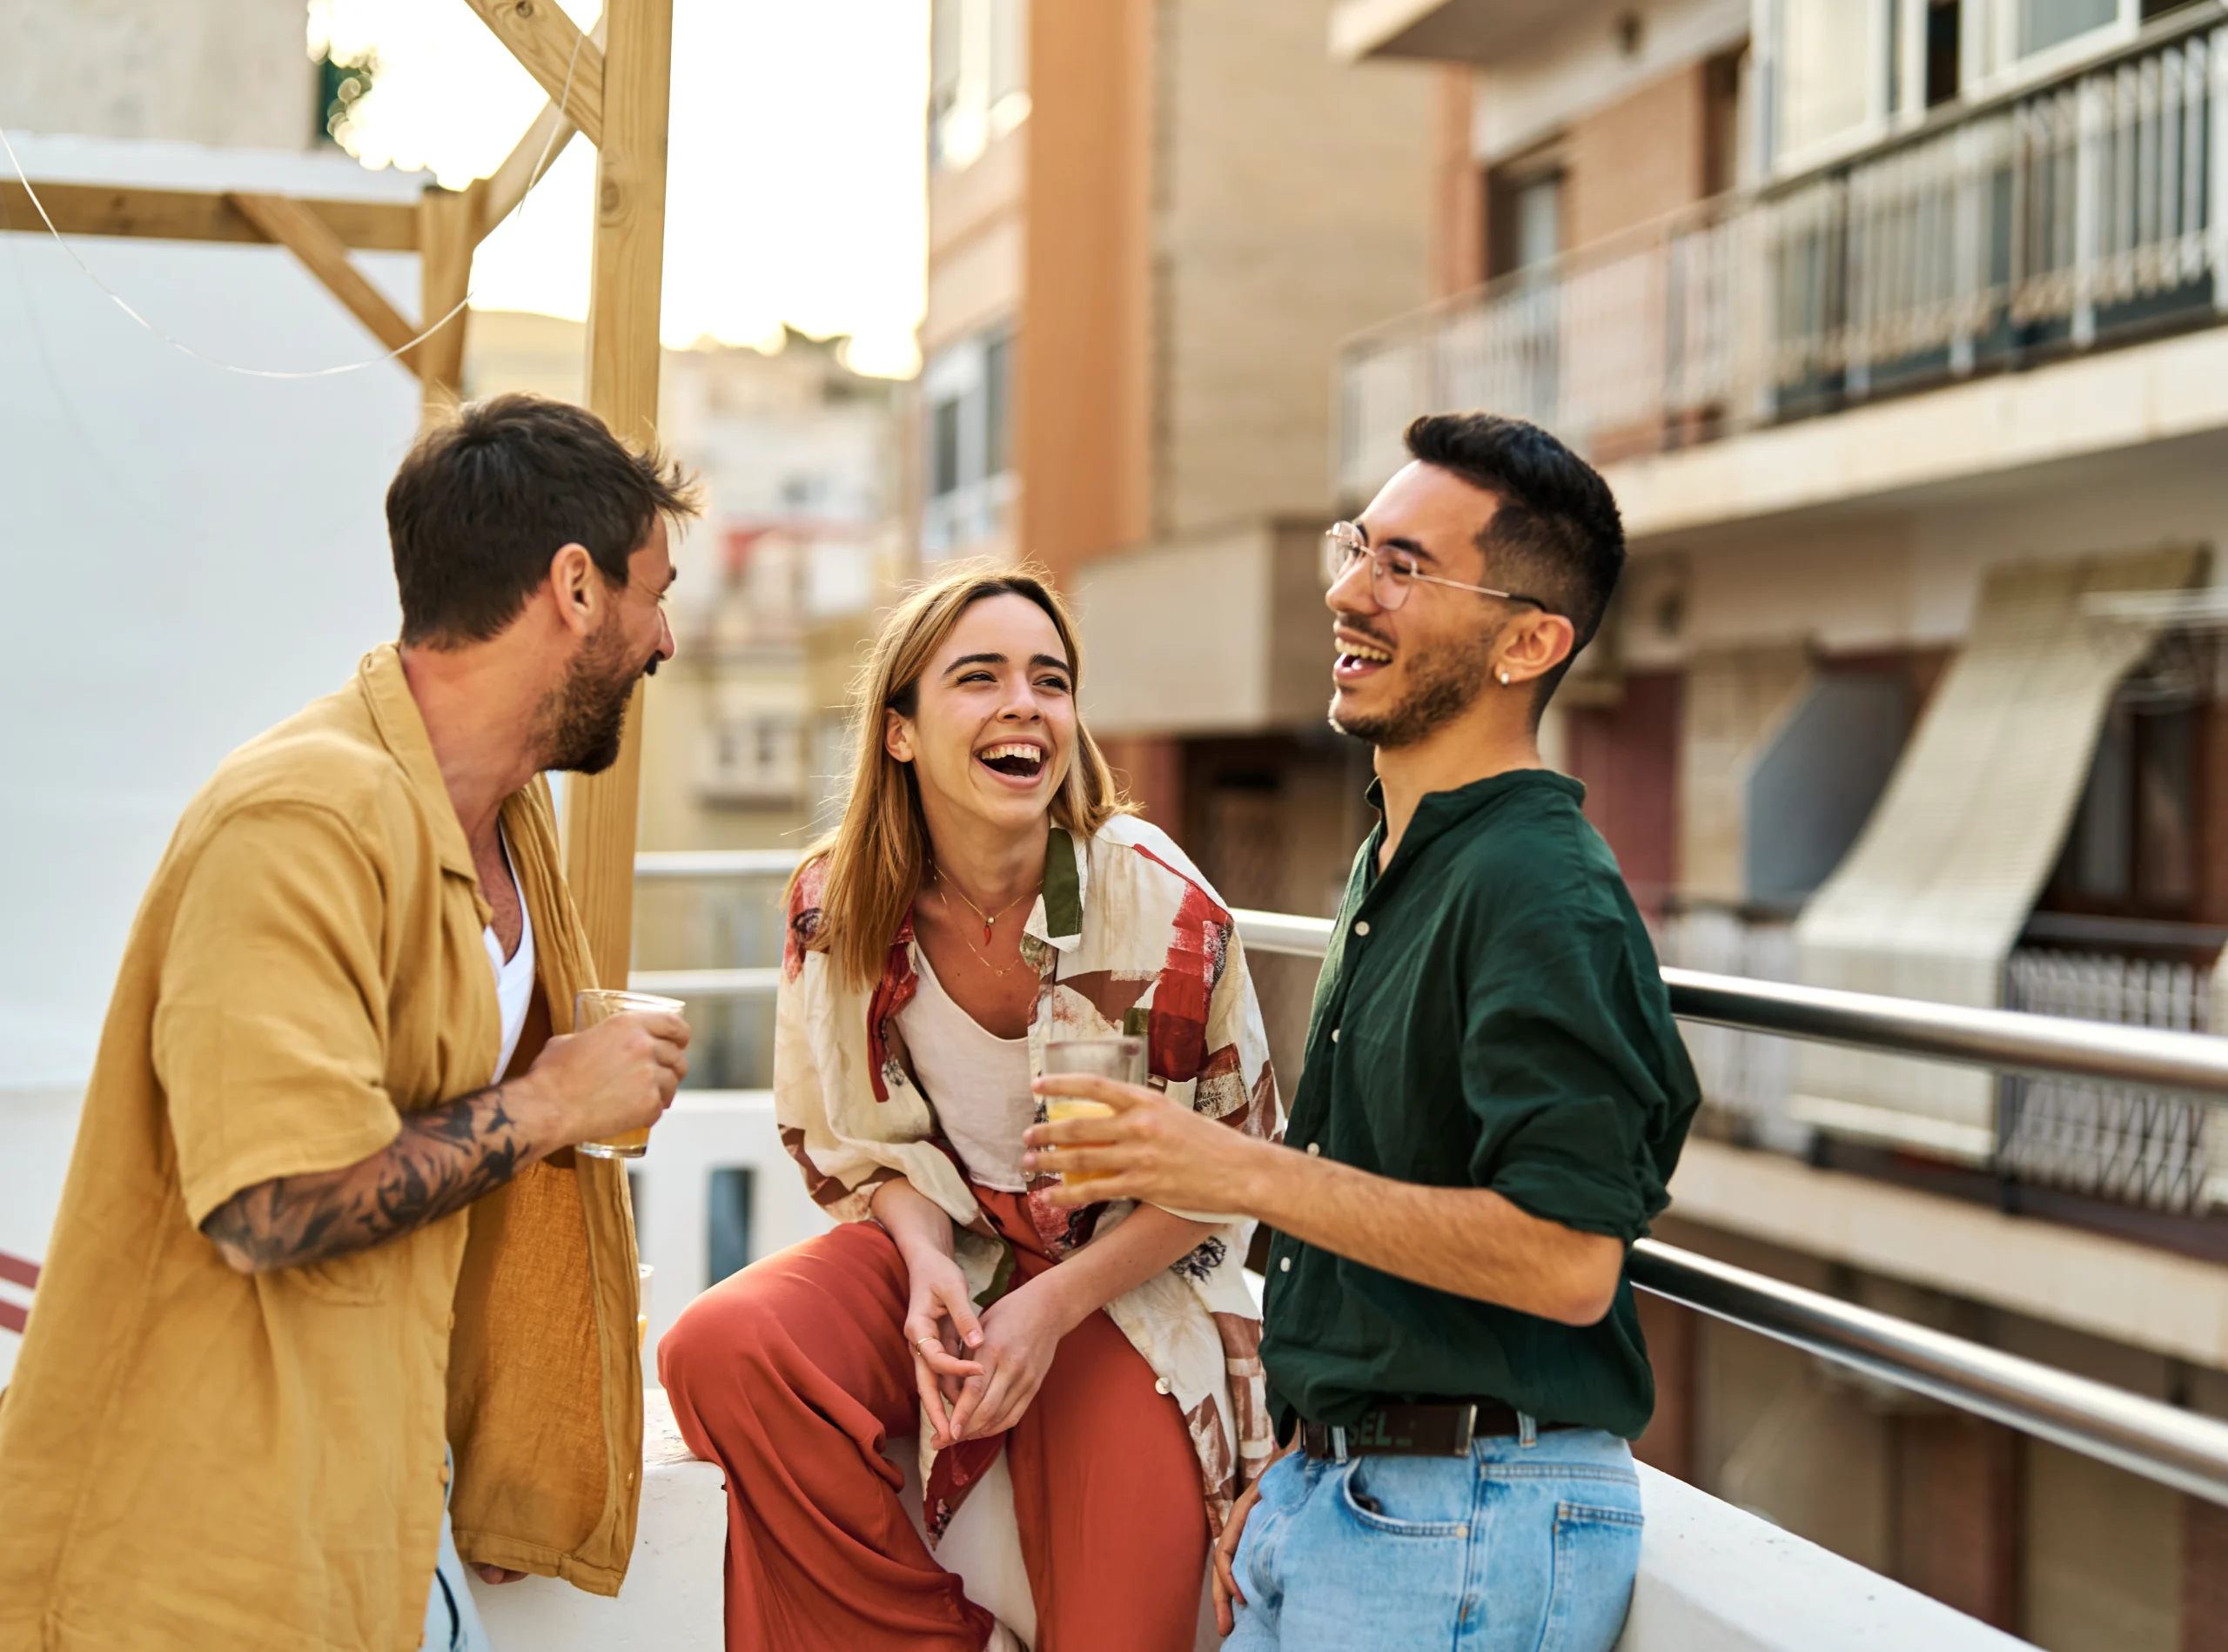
1494, 1098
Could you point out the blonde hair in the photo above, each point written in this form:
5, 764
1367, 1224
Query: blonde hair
878, 852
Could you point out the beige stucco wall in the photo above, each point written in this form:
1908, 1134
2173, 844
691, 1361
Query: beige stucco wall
1734, 699
234, 73
1294, 208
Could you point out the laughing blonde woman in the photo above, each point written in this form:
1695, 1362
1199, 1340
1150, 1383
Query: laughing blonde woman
987, 891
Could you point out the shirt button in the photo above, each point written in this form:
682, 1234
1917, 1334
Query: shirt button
1362, 928
1160, 1385
1285, 1266
1335, 1034
1315, 1150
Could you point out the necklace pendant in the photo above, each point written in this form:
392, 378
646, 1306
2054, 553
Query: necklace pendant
986, 932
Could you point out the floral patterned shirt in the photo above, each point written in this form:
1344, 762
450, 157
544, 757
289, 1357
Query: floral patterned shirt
1125, 924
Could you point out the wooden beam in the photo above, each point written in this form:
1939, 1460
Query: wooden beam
495, 197
444, 240
197, 215
600, 810
551, 48
293, 226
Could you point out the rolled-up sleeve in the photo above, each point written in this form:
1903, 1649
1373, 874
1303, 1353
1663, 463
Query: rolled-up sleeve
1552, 1070
269, 1028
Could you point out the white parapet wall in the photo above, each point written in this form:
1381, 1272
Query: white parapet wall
671, 1601
1712, 1579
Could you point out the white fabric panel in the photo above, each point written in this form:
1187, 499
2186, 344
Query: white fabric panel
1930, 900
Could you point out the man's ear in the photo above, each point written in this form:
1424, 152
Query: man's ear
896, 736
1535, 645
578, 586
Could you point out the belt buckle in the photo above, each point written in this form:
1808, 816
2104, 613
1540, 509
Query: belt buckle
1465, 1427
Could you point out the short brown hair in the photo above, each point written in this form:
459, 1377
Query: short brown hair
489, 495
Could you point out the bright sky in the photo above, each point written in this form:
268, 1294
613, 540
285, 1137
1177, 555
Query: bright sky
796, 175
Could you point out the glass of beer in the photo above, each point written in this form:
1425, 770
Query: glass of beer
1121, 1057
601, 1003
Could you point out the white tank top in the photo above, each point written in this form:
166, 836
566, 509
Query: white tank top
978, 1081
514, 975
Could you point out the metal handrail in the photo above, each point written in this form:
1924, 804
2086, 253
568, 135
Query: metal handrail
2160, 1442
2004, 1040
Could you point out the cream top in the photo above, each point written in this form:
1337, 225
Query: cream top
977, 1082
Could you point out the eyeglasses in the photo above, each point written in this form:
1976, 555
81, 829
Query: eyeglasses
1392, 575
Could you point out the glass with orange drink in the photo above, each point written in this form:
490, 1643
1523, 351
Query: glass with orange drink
1121, 1057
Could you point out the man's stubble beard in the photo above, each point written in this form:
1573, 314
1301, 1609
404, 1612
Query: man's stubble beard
1443, 684
583, 721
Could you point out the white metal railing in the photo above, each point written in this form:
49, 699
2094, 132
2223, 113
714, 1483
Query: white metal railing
2138, 1146
2159, 1442
2093, 207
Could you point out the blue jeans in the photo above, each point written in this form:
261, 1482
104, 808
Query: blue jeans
1515, 1549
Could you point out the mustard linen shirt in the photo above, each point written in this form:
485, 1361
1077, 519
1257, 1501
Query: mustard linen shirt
190, 1457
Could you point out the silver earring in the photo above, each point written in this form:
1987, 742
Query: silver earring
1504, 676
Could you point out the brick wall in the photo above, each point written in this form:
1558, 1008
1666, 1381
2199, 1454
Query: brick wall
1457, 252
1670, 1330
1956, 1518
1628, 755
1641, 157
2205, 1576
1151, 769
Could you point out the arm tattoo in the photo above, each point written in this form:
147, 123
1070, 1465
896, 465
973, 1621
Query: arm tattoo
445, 1157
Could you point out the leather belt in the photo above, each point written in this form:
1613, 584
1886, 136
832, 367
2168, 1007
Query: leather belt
1446, 1429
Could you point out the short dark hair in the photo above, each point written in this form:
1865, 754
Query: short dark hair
1555, 534
489, 494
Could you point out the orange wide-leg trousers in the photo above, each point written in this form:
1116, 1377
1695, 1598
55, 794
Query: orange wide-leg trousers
791, 1374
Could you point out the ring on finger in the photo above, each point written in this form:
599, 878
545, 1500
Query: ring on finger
926, 1343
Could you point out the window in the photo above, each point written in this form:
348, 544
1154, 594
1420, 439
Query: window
1832, 63
997, 373
753, 759
1524, 208
727, 1226
2133, 850
1945, 27
978, 75
968, 390
2044, 24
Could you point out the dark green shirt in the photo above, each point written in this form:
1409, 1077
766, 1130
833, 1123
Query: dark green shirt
1490, 1014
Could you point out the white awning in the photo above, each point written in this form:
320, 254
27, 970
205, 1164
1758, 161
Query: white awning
1929, 902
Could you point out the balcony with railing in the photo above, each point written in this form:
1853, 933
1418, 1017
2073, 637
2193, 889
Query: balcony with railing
2059, 1142
2116, 1036
1713, 1575
2071, 216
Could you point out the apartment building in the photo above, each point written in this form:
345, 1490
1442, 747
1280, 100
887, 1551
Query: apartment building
744, 737
1896, 326
1151, 224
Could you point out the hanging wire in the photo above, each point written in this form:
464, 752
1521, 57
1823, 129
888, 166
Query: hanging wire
564, 107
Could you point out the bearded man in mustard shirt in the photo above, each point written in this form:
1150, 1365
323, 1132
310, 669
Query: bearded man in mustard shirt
324, 1233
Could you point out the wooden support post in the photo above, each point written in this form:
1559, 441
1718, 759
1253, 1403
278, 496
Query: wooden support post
553, 51
302, 232
445, 243
622, 378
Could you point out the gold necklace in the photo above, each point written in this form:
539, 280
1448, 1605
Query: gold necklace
946, 889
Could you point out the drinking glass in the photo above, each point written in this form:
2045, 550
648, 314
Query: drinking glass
642, 1272
601, 1003
1119, 1057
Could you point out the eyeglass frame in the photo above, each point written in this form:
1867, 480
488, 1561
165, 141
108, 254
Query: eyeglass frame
1346, 541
